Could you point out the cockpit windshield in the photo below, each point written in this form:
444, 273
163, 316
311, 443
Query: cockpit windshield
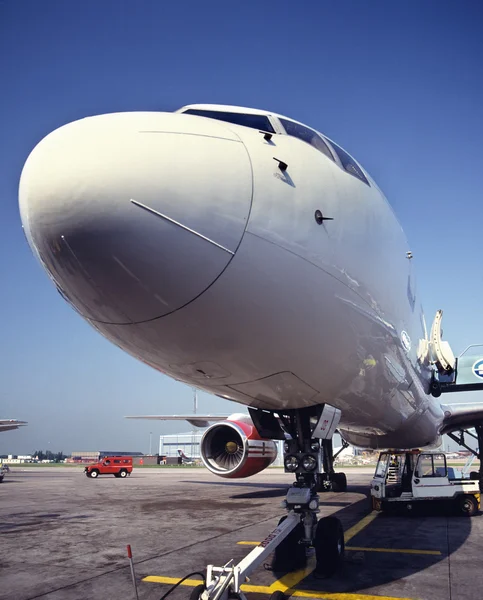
260, 122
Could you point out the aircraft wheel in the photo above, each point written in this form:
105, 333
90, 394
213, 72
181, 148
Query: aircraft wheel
322, 483
278, 595
339, 482
467, 505
290, 555
329, 546
94, 473
197, 591
122, 473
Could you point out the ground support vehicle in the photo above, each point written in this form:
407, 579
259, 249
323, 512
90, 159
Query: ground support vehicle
404, 479
119, 466
3, 471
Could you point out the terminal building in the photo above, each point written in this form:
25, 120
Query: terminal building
91, 456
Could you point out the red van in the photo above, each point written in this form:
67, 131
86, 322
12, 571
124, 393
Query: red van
119, 466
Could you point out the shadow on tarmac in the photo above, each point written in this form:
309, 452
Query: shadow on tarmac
428, 528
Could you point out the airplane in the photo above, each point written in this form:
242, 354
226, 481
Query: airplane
244, 253
186, 460
8, 424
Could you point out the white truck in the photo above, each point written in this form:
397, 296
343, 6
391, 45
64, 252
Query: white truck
405, 478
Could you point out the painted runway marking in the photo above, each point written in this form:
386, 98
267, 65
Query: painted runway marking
263, 589
287, 583
363, 549
395, 550
362, 524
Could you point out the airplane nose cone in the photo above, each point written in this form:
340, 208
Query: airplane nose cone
134, 215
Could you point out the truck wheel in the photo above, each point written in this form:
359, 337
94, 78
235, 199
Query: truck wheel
467, 505
290, 555
339, 482
94, 473
122, 473
329, 546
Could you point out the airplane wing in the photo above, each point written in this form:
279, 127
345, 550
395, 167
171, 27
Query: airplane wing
7, 424
463, 415
195, 420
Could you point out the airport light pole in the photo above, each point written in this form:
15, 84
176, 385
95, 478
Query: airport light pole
150, 439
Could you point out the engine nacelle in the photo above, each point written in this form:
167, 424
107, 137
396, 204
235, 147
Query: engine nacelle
233, 448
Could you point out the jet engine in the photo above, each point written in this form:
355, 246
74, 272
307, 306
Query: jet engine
233, 449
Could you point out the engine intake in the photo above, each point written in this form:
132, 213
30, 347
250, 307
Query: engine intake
234, 449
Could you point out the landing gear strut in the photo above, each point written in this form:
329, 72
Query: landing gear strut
337, 481
306, 457
308, 448
289, 541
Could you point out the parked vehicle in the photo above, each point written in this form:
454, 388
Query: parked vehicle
3, 471
119, 466
406, 478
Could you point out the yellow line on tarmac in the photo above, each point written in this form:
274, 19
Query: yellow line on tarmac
173, 580
395, 550
248, 543
336, 596
362, 549
288, 582
355, 529
263, 589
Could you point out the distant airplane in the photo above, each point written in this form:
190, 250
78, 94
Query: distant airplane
7, 424
186, 460
246, 254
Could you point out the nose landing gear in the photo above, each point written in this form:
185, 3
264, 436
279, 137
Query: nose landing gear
308, 454
289, 542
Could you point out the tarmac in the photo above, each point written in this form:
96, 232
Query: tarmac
63, 537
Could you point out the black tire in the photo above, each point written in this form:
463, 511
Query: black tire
329, 546
322, 483
339, 482
290, 555
197, 591
467, 505
123, 473
278, 595
94, 473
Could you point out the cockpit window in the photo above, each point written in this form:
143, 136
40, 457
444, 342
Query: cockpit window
307, 135
349, 163
260, 122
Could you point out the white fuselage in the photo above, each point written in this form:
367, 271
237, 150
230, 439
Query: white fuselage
181, 240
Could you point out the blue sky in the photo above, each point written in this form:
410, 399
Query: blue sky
398, 85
